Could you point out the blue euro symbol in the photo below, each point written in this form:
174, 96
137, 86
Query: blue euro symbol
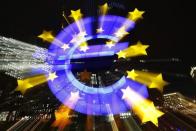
92, 101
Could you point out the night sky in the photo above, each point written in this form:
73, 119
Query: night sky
168, 25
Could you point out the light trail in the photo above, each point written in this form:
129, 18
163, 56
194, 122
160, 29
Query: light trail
152, 80
18, 58
103, 11
142, 107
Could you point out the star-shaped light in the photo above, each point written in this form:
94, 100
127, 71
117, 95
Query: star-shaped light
147, 112
100, 30
121, 54
75, 96
84, 47
131, 74
52, 76
158, 83
85, 75
62, 117
46, 36
140, 48
104, 8
65, 47
144, 108
126, 94
76, 15
82, 34
121, 32
23, 85
77, 38
110, 44
136, 14
73, 99
130, 96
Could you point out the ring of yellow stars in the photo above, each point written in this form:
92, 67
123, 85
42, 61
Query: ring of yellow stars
46, 36
52, 76
152, 80
147, 112
100, 30
65, 47
143, 108
121, 32
121, 54
110, 44
76, 15
136, 14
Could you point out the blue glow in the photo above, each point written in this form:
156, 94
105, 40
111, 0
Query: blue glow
112, 23
94, 101
96, 51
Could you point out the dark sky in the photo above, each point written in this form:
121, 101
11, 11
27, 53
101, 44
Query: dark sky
168, 25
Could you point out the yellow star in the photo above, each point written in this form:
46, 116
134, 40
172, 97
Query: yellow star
139, 48
104, 8
65, 47
23, 85
62, 117
84, 47
31, 82
121, 32
152, 80
73, 99
52, 76
131, 74
158, 83
136, 50
121, 54
46, 36
100, 30
143, 108
76, 15
110, 44
147, 112
136, 14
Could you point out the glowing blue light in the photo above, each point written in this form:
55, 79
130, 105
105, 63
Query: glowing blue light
94, 101
96, 51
